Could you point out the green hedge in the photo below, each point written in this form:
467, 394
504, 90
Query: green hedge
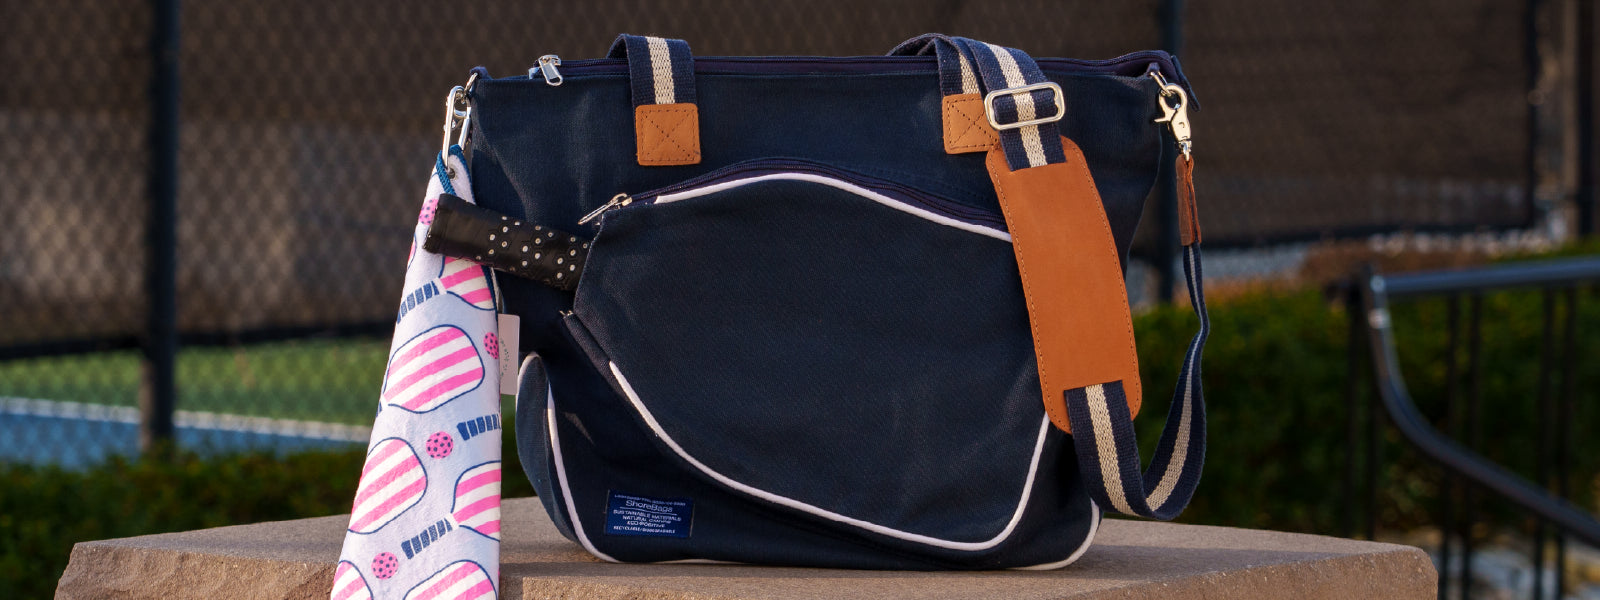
1276, 375
45, 510
1275, 379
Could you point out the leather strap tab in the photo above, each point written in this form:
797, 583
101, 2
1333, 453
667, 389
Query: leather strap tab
666, 121
1071, 278
1188, 213
667, 134
966, 127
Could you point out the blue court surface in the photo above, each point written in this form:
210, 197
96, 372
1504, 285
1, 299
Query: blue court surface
76, 435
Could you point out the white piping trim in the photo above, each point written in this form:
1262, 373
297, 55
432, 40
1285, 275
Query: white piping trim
561, 474
661, 71
842, 185
1016, 517
1094, 527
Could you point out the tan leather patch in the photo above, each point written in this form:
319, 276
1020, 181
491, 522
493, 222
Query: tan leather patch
966, 127
1188, 213
667, 134
1071, 277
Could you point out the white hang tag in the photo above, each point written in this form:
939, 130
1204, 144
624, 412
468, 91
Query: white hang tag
510, 329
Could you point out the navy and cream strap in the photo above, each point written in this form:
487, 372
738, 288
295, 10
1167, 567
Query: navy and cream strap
1103, 435
1022, 107
991, 91
956, 74
666, 118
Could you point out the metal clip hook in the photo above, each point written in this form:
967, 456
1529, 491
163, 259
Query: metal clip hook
1175, 115
454, 115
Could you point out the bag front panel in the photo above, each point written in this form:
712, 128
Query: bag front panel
822, 347
882, 125
554, 153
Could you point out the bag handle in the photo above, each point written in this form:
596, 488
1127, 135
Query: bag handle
1072, 279
993, 93
666, 120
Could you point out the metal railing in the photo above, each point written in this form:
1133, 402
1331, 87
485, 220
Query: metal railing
1371, 331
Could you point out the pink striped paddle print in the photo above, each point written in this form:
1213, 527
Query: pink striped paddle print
460, 580
433, 368
348, 583
477, 504
426, 466
465, 278
392, 481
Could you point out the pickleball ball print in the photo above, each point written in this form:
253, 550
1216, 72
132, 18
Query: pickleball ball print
385, 564
491, 342
348, 584
460, 580
433, 368
440, 444
392, 481
465, 278
477, 501
429, 208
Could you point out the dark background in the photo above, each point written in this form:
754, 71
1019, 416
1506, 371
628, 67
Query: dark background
305, 126
232, 262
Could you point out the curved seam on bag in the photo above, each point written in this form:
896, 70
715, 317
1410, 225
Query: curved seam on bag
1094, 527
572, 513
561, 473
840, 185
1016, 517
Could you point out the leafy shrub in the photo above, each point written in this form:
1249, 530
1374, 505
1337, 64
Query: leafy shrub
45, 510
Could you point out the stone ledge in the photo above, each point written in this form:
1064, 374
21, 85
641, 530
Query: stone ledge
1129, 559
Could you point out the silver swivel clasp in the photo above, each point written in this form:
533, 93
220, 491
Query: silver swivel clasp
1174, 104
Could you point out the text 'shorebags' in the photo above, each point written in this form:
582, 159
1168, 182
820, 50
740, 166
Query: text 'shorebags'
860, 312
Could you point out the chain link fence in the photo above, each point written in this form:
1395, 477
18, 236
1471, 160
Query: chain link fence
307, 128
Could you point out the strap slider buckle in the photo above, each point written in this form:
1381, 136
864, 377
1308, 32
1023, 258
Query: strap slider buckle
988, 105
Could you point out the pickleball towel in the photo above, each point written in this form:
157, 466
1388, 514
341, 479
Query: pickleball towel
425, 524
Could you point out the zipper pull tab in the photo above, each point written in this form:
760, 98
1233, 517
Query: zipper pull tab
547, 68
617, 201
1175, 112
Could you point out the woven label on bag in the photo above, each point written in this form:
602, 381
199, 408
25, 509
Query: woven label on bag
637, 515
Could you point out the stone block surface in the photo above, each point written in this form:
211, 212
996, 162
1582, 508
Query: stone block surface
1129, 560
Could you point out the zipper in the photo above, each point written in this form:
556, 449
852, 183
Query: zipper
921, 199
1134, 64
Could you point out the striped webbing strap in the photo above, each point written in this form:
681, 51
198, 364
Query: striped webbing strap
1102, 426
1108, 452
956, 74
999, 68
660, 70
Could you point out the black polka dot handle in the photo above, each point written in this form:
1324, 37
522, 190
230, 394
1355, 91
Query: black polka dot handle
464, 230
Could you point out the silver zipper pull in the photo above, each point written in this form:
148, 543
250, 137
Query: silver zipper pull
547, 67
617, 201
1175, 115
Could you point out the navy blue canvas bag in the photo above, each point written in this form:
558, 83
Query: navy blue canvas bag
832, 312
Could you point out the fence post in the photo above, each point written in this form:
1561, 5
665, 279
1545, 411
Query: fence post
1167, 250
1586, 132
158, 388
